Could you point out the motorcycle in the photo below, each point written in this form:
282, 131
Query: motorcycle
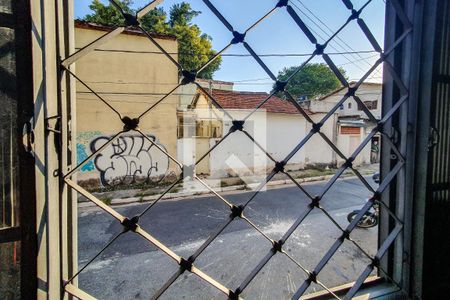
370, 218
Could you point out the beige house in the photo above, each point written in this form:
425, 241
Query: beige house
353, 124
131, 74
278, 127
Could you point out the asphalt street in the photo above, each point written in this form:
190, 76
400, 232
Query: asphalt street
131, 268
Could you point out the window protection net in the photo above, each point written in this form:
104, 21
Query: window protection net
130, 224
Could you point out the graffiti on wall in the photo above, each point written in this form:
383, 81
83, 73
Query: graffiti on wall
130, 159
83, 139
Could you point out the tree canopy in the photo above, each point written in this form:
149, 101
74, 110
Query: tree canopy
194, 47
313, 80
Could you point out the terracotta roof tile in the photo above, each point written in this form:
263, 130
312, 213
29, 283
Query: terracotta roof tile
250, 100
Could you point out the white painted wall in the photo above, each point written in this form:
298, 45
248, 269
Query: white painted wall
237, 154
317, 151
283, 132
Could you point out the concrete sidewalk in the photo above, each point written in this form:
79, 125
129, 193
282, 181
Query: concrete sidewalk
225, 185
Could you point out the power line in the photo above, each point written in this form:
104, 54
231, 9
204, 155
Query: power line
327, 35
134, 93
331, 30
234, 54
356, 79
239, 82
376, 72
256, 79
364, 58
320, 36
353, 52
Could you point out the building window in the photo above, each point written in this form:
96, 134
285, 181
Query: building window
349, 105
208, 129
189, 127
350, 130
371, 105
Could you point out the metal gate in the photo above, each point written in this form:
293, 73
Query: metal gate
391, 127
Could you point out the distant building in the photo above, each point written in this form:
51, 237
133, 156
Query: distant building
282, 125
353, 124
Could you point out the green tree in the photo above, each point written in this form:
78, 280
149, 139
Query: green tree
194, 47
107, 14
155, 21
314, 80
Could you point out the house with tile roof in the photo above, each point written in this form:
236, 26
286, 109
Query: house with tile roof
276, 124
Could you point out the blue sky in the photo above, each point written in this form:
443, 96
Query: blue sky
280, 35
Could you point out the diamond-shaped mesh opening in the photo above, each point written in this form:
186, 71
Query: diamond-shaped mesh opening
318, 19
295, 51
197, 219
230, 8
314, 233
350, 38
251, 76
237, 161
297, 125
245, 249
276, 209
327, 156
215, 28
312, 239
